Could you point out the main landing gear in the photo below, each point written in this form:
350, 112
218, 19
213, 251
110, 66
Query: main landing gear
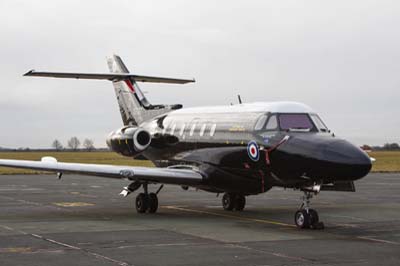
306, 218
145, 201
232, 201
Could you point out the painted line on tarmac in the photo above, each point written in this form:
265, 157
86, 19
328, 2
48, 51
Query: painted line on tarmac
378, 240
16, 250
32, 203
21, 189
94, 254
160, 245
73, 204
347, 216
276, 254
230, 216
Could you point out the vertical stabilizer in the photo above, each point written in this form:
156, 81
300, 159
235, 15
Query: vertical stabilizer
134, 106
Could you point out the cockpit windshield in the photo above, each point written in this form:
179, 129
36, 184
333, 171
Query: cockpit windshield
300, 122
296, 122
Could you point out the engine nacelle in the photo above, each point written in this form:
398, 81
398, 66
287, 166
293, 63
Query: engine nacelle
129, 141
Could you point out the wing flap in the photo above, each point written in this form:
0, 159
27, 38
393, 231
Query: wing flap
107, 76
156, 175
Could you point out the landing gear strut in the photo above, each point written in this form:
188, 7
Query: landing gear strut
231, 201
305, 217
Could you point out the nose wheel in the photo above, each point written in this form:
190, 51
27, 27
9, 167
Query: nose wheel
307, 218
232, 201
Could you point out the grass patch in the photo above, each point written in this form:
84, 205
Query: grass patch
386, 161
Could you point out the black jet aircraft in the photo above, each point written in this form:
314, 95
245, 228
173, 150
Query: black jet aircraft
239, 150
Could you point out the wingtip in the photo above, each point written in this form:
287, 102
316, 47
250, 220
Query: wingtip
116, 56
29, 73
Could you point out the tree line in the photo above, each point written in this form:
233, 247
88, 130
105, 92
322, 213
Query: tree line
74, 144
385, 147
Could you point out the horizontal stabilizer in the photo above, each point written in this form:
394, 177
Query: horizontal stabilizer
108, 76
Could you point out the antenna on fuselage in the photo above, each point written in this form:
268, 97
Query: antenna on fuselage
240, 99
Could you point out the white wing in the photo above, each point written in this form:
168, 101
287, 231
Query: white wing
156, 175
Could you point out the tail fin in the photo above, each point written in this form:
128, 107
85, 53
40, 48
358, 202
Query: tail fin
134, 106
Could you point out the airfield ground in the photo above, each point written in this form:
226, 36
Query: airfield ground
386, 161
82, 221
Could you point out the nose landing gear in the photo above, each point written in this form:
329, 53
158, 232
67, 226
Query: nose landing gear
305, 217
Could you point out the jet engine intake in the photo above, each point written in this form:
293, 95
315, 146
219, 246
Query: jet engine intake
129, 141
141, 139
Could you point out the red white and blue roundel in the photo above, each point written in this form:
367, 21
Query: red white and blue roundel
253, 150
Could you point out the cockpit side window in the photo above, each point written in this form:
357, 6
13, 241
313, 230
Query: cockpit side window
272, 123
318, 123
260, 123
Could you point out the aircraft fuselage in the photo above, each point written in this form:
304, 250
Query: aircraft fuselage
217, 140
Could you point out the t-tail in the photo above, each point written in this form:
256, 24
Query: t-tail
133, 105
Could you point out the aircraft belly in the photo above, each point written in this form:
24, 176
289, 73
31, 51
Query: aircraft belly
227, 167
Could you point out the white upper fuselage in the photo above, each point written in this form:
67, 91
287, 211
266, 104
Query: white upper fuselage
257, 107
232, 121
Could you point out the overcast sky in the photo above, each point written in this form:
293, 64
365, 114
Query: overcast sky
340, 57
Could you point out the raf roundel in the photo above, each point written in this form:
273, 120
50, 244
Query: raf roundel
253, 151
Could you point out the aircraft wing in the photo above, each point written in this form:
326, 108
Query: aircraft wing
152, 175
108, 76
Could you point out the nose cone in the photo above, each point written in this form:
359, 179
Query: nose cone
327, 158
346, 160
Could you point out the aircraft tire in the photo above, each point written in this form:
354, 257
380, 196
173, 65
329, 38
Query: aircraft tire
302, 219
314, 218
153, 203
228, 201
142, 203
240, 202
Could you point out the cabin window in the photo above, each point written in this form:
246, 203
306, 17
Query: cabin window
212, 130
192, 129
173, 129
203, 128
260, 123
182, 129
272, 123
